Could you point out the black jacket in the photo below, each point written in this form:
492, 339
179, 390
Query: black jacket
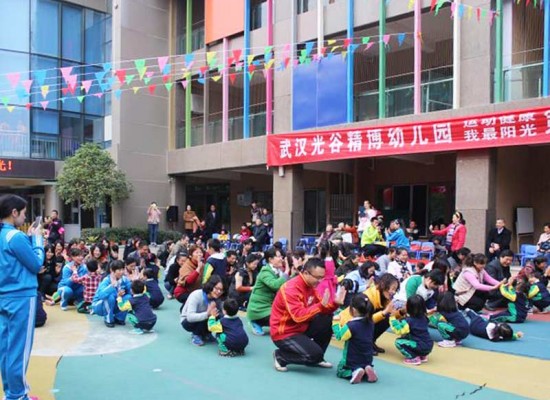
503, 239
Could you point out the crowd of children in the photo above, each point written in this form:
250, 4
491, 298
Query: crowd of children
213, 285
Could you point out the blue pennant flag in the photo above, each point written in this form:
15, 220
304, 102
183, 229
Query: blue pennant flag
40, 76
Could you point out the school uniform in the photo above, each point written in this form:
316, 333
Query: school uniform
230, 334
539, 296
452, 325
484, 328
140, 313
358, 335
415, 340
105, 300
156, 298
518, 307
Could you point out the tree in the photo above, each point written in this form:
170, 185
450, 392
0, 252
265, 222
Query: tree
92, 177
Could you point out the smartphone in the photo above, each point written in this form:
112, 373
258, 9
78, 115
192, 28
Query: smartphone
37, 221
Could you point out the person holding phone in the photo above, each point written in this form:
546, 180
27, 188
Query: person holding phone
21, 258
153, 220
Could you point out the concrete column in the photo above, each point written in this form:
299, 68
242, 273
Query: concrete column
52, 200
288, 203
476, 194
475, 63
178, 198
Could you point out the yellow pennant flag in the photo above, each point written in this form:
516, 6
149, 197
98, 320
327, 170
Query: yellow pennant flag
335, 48
269, 64
10, 108
411, 4
45, 90
210, 56
331, 42
250, 59
135, 89
216, 78
470, 11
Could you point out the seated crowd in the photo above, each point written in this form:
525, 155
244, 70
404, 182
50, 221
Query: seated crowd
352, 293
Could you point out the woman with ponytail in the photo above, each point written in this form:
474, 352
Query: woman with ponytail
21, 258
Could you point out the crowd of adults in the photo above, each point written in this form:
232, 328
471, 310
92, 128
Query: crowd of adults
292, 293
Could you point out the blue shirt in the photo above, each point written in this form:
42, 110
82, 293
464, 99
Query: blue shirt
21, 258
398, 236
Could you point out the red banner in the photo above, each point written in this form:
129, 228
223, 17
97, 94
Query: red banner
512, 128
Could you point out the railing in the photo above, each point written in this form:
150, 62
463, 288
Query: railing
197, 38
523, 82
49, 147
437, 94
14, 144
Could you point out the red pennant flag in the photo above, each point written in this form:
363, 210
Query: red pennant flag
347, 42
432, 7
478, 12
237, 54
232, 78
165, 78
28, 106
152, 88
72, 88
251, 68
64, 91
203, 70
230, 60
121, 75
287, 61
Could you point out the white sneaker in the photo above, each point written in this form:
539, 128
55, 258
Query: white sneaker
357, 376
277, 365
324, 364
447, 343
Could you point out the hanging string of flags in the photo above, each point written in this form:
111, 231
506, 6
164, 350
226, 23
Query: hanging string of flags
42, 87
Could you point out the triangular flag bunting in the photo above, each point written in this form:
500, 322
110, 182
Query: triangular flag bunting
216, 78
237, 54
135, 89
386, 39
44, 104
129, 79
118, 94
365, 40
86, 85
27, 85
10, 108
40, 76
168, 86
65, 72
146, 80
13, 78
121, 75
80, 98
5, 100
400, 39
44, 90
232, 78
152, 88
162, 62
269, 64
184, 83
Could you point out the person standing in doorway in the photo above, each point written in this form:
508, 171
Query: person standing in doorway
55, 228
189, 217
212, 222
21, 258
153, 219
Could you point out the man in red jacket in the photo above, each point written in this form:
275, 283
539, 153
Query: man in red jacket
300, 322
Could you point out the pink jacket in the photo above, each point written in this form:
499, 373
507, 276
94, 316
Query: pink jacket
329, 281
459, 236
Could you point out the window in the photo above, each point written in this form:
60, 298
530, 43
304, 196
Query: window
72, 33
14, 130
93, 129
315, 215
13, 62
14, 36
52, 81
45, 122
95, 37
303, 6
45, 27
93, 104
71, 126
258, 14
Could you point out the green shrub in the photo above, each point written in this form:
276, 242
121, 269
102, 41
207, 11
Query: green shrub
118, 235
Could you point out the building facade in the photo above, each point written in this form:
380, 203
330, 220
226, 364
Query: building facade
203, 140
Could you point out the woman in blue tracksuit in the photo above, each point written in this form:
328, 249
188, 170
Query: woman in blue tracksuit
20, 260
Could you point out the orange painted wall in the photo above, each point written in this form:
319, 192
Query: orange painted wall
223, 18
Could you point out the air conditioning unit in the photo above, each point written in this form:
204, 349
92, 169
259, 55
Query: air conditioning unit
197, 104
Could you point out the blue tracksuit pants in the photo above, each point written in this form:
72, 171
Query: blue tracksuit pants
108, 308
69, 293
17, 315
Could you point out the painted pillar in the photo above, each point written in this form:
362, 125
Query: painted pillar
269, 75
225, 91
246, 78
546, 53
351, 79
456, 57
499, 88
188, 50
382, 61
417, 57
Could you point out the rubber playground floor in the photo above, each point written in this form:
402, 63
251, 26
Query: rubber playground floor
75, 357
